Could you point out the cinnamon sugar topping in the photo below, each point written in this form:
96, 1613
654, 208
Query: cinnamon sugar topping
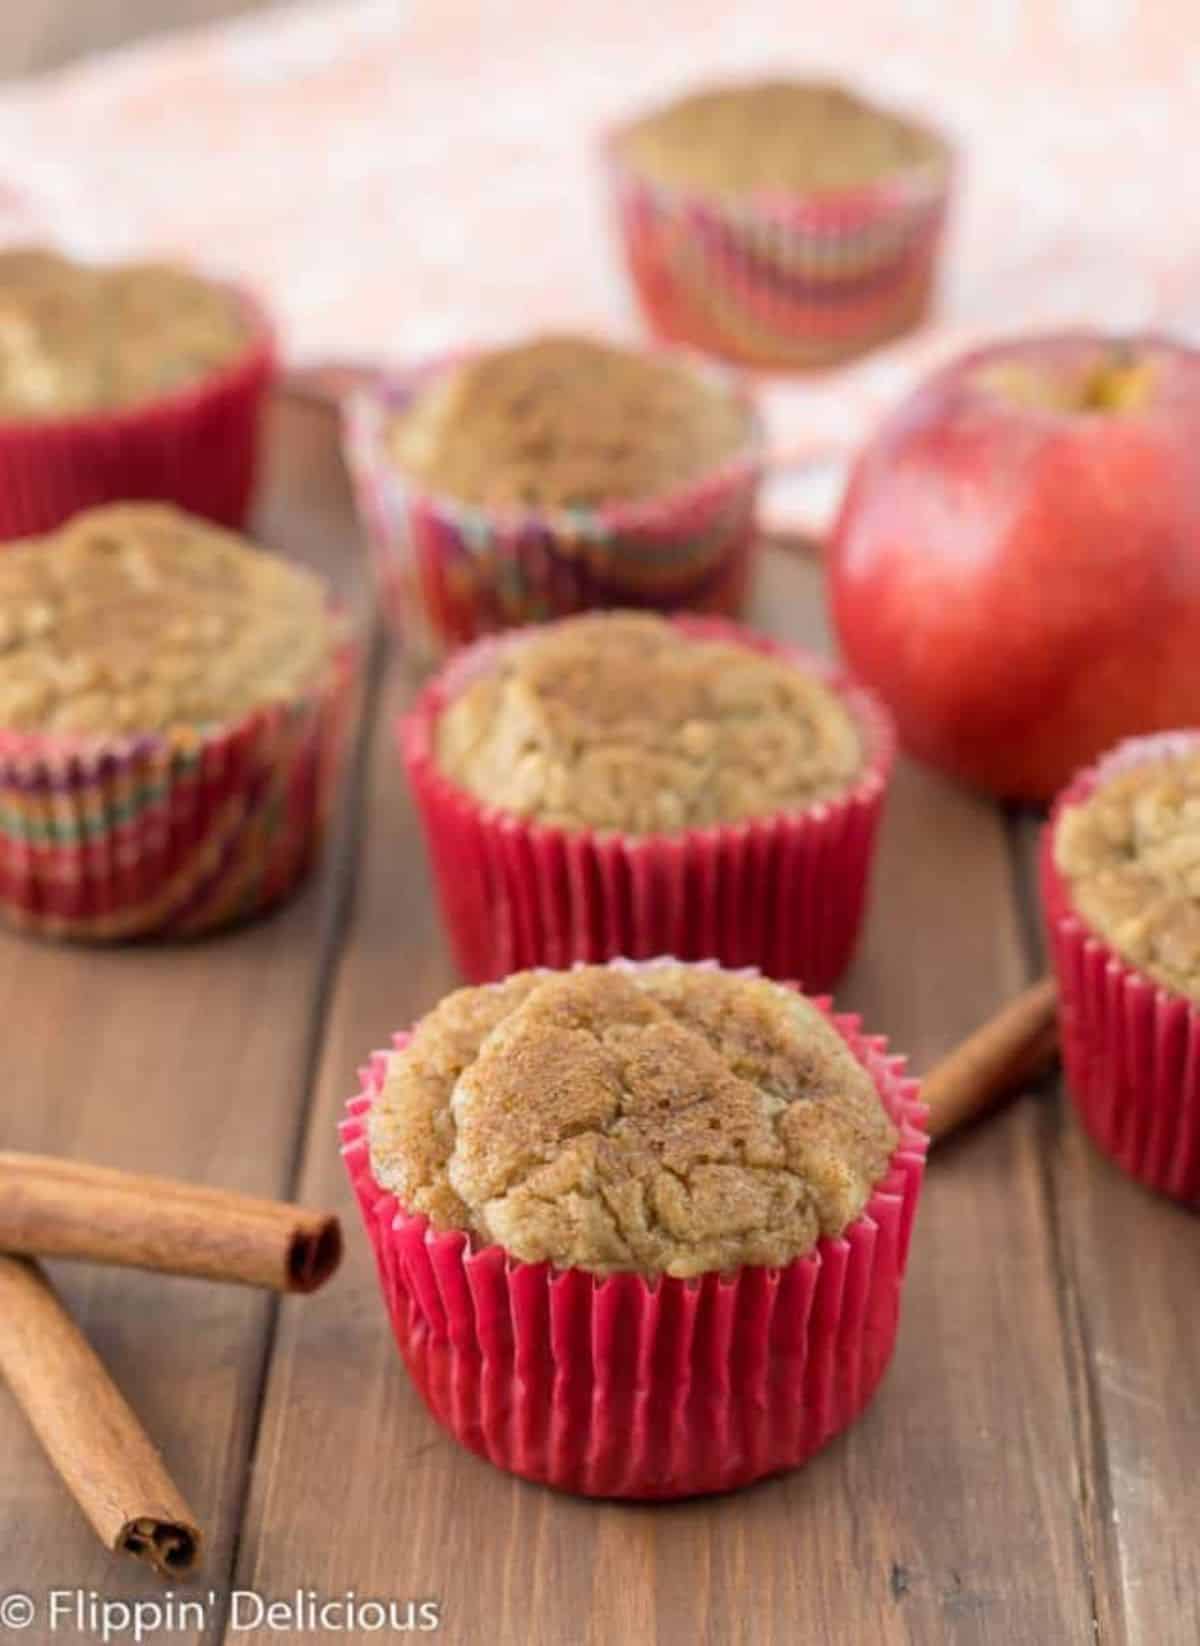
661, 1118
1131, 853
564, 422
776, 134
136, 617
78, 338
622, 721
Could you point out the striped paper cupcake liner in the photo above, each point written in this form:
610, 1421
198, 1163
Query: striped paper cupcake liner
449, 572
785, 893
167, 835
1131, 1048
197, 447
781, 280
617, 1386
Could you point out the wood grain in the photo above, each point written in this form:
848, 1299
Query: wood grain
1128, 1263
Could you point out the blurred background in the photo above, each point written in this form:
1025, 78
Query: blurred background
400, 175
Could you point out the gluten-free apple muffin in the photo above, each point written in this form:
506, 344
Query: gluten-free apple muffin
1130, 854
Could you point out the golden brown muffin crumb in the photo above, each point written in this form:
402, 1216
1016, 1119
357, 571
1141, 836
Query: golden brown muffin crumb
622, 721
564, 422
1131, 855
776, 134
80, 338
662, 1118
136, 617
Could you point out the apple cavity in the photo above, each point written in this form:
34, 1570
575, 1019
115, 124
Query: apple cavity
1016, 564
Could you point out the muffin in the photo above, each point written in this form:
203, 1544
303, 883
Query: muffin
171, 700
135, 380
641, 1229
557, 474
780, 223
1121, 883
628, 784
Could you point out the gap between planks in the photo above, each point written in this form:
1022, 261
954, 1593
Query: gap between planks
343, 854
1093, 1488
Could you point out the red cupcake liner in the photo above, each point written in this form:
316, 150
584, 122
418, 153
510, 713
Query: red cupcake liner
784, 893
781, 279
1130, 1047
618, 1386
197, 447
168, 835
449, 572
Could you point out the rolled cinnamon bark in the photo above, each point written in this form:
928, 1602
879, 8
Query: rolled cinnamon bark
90, 1434
63, 1208
1016, 1046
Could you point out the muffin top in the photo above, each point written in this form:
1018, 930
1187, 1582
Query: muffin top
566, 422
662, 1118
79, 338
1131, 855
775, 134
624, 721
136, 617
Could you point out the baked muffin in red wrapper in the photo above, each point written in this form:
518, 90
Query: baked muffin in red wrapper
126, 381
1120, 869
622, 784
641, 1230
561, 474
780, 224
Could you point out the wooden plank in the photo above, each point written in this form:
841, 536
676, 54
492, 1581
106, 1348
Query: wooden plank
949, 1513
1129, 1261
190, 1059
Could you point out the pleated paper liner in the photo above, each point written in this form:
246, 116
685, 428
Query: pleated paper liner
785, 893
168, 835
1131, 1048
449, 572
619, 1386
781, 280
197, 447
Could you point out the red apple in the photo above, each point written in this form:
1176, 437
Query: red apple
1016, 564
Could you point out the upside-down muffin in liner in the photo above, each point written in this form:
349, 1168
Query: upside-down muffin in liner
172, 702
122, 381
641, 1230
1121, 888
559, 474
622, 784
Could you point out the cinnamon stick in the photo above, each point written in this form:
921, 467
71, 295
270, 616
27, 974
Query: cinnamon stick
1016, 1046
63, 1208
91, 1436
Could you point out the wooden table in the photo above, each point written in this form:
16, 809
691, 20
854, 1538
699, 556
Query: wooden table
1027, 1473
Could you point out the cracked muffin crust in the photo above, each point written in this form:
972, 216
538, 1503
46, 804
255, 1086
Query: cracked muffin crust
623, 721
776, 134
1130, 853
136, 617
564, 422
660, 1118
77, 338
